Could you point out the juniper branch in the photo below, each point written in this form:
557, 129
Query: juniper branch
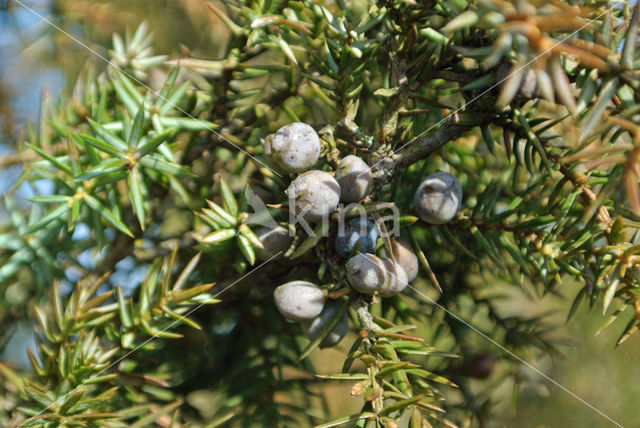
386, 166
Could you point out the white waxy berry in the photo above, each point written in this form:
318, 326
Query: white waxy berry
366, 273
355, 178
299, 300
438, 198
314, 195
276, 240
312, 328
404, 256
294, 147
395, 278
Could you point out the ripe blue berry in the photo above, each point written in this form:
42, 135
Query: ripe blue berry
357, 230
404, 256
395, 278
355, 178
314, 195
438, 198
366, 273
312, 328
294, 147
299, 300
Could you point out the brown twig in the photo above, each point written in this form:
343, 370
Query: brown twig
28, 155
386, 166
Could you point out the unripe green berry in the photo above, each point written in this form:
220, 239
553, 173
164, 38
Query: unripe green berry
366, 273
312, 328
299, 300
438, 198
355, 178
274, 240
395, 278
294, 147
314, 194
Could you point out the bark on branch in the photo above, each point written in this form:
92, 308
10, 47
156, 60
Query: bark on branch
387, 166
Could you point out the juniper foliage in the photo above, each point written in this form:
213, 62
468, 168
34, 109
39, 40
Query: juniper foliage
532, 105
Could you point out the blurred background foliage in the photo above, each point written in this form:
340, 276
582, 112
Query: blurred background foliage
241, 341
